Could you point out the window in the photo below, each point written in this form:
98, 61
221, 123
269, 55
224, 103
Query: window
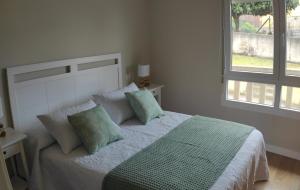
262, 55
290, 98
256, 93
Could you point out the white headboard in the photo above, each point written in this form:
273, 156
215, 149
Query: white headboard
41, 88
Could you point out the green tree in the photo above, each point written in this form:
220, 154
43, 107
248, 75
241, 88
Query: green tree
259, 8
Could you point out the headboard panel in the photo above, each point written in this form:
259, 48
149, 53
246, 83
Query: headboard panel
33, 94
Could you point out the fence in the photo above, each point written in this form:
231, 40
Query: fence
261, 45
252, 92
262, 94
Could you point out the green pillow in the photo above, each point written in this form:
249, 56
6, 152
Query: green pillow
144, 105
95, 128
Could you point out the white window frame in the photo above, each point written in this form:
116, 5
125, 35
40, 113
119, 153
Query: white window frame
277, 78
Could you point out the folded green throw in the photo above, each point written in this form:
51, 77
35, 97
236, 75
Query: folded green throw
192, 156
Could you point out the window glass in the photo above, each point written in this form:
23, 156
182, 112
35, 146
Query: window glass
290, 98
293, 38
249, 48
252, 36
256, 93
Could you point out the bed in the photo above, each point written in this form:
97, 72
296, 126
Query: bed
52, 169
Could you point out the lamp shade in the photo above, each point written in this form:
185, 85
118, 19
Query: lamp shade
143, 70
1, 110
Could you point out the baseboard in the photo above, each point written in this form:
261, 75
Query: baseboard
283, 151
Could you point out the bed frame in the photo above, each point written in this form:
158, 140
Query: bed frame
41, 88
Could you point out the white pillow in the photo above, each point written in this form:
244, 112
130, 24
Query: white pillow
116, 103
59, 127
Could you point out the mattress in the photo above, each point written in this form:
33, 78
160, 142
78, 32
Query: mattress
78, 170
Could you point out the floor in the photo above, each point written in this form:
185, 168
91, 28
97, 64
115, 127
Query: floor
284, 174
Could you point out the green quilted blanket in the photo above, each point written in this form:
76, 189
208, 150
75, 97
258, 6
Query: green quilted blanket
191, 156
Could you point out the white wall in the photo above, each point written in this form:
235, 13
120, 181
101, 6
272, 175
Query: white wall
186, 56
34, 31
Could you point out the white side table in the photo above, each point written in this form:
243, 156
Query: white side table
156, 91
10, 146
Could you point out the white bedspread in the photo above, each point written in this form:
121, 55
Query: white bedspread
78, 170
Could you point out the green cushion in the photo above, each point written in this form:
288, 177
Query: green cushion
144, 105
95, 128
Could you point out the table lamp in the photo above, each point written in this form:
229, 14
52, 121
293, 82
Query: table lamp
2, 132
144, 75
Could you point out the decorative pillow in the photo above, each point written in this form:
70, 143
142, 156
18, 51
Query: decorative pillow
144, 105
95, 128
116, 104
59, 127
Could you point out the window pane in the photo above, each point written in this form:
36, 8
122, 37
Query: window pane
293, 38
253, 36
290, 98
256, 93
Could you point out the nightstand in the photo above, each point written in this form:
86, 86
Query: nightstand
156, 91
10, 146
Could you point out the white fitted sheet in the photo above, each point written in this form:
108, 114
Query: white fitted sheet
78, 170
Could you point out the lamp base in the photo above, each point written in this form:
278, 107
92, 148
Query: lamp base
2, 131
144, 82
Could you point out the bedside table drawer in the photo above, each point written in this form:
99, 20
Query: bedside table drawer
11, 150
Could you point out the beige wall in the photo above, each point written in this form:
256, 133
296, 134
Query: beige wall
185, 42
186, 57
34, 31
